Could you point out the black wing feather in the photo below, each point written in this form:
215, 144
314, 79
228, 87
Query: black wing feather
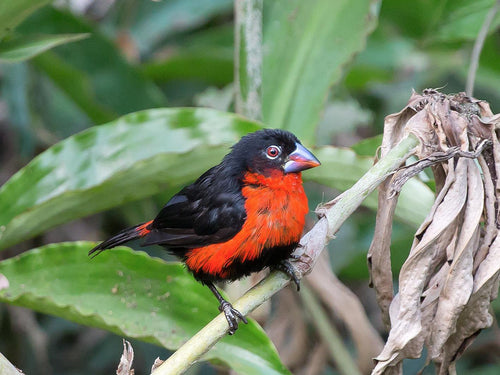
211, 210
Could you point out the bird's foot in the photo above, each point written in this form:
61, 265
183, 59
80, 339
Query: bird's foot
232, 316
286, 267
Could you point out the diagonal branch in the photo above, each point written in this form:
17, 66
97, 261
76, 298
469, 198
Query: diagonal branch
333, 214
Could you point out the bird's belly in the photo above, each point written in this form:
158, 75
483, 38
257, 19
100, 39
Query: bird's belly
274, 224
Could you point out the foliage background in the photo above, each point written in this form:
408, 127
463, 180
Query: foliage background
180, 53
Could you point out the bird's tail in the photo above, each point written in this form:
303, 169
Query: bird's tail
125, 235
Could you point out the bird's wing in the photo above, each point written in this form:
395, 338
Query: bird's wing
206, 212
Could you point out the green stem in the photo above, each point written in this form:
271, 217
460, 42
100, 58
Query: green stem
335, 213
332, 339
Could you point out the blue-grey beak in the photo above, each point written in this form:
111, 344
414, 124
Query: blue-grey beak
300, 159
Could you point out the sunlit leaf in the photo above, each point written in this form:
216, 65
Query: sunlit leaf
27, 46
133, 295
133, 157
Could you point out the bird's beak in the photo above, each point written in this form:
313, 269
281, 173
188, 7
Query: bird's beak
300, 159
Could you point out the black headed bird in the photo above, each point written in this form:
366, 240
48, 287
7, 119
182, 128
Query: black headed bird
239, 217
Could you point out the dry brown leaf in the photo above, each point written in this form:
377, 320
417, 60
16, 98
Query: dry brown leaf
453, 268
157, 363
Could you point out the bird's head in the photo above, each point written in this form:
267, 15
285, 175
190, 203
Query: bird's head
269, 150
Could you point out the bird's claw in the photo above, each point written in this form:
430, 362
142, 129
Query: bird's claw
286, 267
232, 316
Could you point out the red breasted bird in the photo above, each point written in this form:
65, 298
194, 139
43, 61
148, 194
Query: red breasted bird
239, 217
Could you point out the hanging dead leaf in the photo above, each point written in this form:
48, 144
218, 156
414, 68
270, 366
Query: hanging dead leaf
126, 360
453, 267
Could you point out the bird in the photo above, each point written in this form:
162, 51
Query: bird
241, 216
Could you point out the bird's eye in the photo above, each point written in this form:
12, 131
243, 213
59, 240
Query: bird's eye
273, 152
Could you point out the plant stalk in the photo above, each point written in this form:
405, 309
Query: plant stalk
248, 58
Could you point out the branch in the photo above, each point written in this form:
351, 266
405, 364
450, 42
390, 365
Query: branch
333, 214
7, 368
478, 46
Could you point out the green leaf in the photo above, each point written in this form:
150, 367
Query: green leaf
206, 64
112, 85
306, 44
462, 20
77, 85
25, 47
438, 21
341, 168
14, 12
205, 56
131, 294
133, 157
368, 146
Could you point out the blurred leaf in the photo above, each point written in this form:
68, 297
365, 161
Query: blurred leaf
342, 168
77, 85
415, 20
27, 46
206, 64
345, 112
133, 157
15, 94
368, 146
438, 21
383, 56
58, 115
134, 295
205, 56
462, 20
112, 86
306, 44
215, 98
156, 20
14, 12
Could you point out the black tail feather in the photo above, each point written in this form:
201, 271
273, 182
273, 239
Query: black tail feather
124, 236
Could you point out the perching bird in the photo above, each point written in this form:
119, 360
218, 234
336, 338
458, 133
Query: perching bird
239, 217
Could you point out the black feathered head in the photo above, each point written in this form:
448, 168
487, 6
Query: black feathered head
268, 150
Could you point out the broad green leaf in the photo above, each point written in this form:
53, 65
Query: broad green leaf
133, 157
112, 85
27, 46
14, 12
306, 44
131, 294
341, 168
